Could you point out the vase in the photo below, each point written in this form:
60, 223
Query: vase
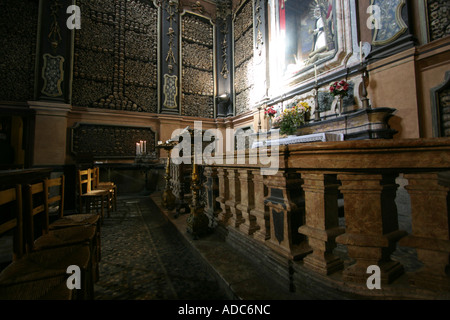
307, 116
270, 123
341, 105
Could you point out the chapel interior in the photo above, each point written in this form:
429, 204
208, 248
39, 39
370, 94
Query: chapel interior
171, 99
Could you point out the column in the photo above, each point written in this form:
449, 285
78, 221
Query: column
371, 225
322, 221
224, 213
210, 209
430, 229
285, 203
234, 198
247, 203
260, 211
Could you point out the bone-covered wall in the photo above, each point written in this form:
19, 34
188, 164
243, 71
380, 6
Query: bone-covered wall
438, 18
197, 47
243, 59
116, 56
18, 49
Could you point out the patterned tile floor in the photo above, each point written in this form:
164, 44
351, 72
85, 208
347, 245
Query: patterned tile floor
144, 258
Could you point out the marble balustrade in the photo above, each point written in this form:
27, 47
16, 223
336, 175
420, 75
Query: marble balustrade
294, 212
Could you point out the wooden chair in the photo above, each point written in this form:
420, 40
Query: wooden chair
54, 198
90, 197
76, 236
11, 202
36, 275
106, 185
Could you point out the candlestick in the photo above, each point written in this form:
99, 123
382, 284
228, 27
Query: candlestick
315, 72
317, 107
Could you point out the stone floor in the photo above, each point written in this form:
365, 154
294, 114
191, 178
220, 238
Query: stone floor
147, 254
145, 258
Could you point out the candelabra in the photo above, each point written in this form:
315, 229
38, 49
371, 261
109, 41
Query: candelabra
197, 222
168, 198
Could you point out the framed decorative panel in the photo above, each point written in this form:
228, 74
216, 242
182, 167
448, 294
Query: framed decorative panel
109, 141
440, 108
391, 25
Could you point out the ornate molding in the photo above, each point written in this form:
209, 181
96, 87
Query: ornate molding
53, 75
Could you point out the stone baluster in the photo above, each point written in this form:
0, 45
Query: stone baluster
234, 198
430, 229
322, 222
247, 203
371, 225
260, 211
286, 211
224, 213
210, 174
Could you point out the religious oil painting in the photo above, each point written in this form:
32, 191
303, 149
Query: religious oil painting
304, 32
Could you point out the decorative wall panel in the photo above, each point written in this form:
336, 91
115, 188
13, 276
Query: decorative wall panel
243, 61
18, 27
115, 63
197, 43
108, 141
438, 18
392, 23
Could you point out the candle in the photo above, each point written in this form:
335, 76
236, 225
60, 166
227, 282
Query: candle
137, 148
315, 71
159, 142
145, 147
141, 145
360, 52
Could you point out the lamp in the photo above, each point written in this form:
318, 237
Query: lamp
224, 102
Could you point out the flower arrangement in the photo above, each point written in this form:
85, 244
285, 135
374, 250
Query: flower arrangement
292, 118
339, 88
270, 112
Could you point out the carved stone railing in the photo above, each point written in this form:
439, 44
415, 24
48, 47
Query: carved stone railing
294, 212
